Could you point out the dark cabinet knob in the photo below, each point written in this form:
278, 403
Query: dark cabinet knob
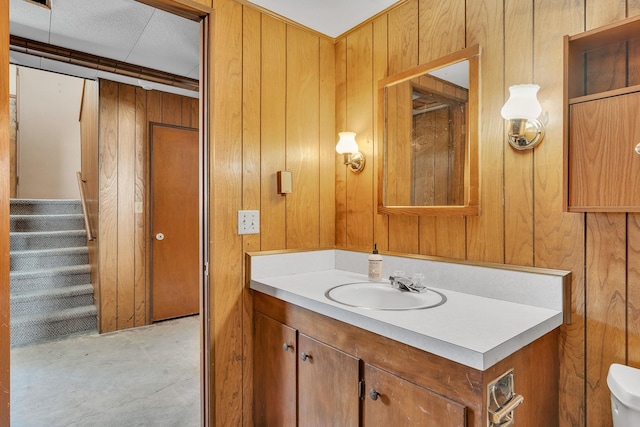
373, 394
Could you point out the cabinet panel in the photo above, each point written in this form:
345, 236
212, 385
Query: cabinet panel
327, 385
392, 401
274, 373
603, 164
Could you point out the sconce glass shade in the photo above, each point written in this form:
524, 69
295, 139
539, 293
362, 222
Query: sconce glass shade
347, 143
522, 103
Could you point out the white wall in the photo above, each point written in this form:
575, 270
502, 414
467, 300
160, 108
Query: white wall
49, 134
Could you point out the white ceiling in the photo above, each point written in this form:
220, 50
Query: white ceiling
330, 17
123, 30
132, 32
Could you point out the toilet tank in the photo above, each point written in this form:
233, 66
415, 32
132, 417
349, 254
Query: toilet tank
624, 384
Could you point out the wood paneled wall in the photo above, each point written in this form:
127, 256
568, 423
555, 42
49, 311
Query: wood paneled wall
521, 221
90, 171
271, 109
5, 180
124, 115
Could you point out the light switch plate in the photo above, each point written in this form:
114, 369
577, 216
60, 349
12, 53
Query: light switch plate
248, 222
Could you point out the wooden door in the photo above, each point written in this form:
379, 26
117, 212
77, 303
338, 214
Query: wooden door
175, 222
392, 401
603, 163
274, 370
327, 385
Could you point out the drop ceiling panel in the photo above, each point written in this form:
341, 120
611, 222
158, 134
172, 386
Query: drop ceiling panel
104, 28
330, 17
29, 21
179, 42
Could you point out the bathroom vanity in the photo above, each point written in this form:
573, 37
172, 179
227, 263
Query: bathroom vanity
319, 361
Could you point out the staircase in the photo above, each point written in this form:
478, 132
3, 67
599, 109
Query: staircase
51, 291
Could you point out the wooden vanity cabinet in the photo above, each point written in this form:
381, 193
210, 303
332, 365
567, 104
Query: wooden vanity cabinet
301, 381
327, 385
602, 136
275, 361
413, 387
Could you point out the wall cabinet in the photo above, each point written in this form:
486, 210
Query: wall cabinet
602, 137
332, 373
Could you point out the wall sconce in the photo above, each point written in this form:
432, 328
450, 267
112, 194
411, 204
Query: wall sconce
348, 147
522, 110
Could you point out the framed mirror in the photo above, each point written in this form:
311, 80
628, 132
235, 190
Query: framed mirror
428, 118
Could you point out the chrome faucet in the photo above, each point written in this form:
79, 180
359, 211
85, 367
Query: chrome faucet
406, 284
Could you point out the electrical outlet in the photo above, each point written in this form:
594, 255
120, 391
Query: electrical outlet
248, 222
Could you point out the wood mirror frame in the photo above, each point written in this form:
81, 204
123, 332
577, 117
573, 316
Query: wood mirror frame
468, 201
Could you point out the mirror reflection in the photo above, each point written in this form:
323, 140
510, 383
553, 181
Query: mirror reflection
428, 158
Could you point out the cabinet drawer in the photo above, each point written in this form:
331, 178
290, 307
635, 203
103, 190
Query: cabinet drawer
393, 401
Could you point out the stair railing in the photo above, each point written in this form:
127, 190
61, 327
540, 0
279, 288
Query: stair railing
83, 200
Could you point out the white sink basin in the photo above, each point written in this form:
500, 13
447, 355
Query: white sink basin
382, 296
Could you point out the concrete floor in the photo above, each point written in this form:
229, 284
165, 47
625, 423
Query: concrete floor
148, 376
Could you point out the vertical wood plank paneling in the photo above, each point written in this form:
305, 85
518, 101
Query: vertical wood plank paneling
606, 302
633, 290
403, 54
485, 233
5, 180
559, 237
154, 106
360, 201
381, 221
518, 165
226, 259
125, 198
108, 160
90, 174
606, 254
140, 155
327, 144
171, 109
445, 22
272, 157
251, 69
341, 124
302, 133
251, 119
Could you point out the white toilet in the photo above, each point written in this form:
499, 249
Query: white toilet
624, 384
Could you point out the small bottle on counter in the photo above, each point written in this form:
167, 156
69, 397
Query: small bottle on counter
375, 265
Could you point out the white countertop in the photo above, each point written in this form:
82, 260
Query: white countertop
476, 331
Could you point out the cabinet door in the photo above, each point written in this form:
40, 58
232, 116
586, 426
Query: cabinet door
274, 363
604, 168
327, 385
392, 401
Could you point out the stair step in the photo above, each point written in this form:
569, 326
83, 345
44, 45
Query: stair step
27, 329
49, 278
47, 258
47, 300
45, 206
28, 240
46, 222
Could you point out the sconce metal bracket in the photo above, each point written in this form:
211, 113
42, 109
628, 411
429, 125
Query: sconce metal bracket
355, 161
525, 134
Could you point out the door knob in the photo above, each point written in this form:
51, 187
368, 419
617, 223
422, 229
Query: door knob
159, 236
